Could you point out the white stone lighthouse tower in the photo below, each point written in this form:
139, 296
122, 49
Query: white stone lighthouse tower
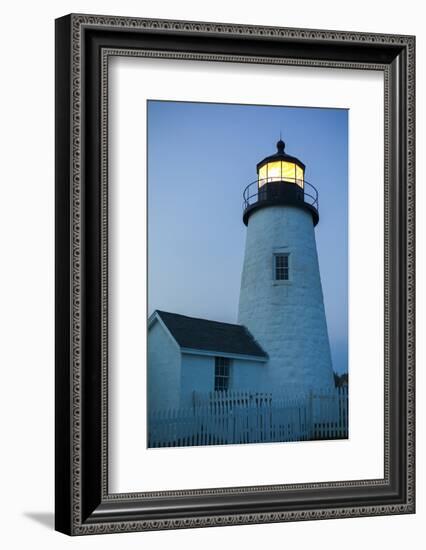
281, 300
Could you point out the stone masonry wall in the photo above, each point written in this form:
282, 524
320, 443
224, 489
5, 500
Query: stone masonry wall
286, 317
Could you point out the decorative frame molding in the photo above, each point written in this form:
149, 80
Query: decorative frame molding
84, 43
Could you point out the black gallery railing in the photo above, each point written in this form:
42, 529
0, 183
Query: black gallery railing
275, 188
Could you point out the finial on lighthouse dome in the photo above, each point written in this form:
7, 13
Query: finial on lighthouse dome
280, 146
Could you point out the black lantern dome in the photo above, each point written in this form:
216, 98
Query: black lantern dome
280, 181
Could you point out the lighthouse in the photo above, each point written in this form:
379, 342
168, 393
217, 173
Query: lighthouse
281, 299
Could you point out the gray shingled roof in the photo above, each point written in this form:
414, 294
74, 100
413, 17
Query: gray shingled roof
202, 334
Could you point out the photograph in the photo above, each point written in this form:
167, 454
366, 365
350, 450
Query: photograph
209, 286
247, 274
234, 273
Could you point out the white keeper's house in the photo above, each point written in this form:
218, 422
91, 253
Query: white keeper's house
280, 342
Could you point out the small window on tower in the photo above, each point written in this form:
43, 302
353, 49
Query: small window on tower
221, 373
281, 267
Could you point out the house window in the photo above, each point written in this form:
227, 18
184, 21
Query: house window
222, 369
281, 267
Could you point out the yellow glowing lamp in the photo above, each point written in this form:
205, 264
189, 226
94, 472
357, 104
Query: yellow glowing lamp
281, 168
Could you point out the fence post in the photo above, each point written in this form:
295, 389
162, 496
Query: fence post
310, 408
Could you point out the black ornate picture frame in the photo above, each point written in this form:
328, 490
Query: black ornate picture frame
84, 43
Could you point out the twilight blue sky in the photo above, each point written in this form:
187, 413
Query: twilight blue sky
200, 158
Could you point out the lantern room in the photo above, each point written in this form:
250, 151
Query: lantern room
280, 168
280, 182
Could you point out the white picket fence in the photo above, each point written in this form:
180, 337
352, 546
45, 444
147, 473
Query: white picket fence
220, 418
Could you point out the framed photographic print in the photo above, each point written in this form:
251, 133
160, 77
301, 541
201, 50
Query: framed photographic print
234, 274
265, 374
